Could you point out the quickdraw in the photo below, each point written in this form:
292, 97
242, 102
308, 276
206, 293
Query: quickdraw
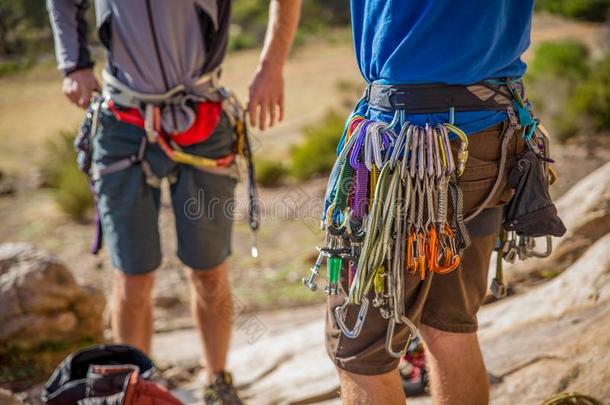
386, 213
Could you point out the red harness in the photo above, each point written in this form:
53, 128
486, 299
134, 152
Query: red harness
208, 117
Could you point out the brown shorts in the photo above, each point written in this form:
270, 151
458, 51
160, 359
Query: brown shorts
446, 302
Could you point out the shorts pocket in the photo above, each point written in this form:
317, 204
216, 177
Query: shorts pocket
482, 171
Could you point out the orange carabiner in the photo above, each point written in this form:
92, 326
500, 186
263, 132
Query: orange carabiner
450, 260
411, 267
432, 248
421, 255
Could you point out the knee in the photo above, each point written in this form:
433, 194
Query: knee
133, 287
435, 337
211, 282
439, 340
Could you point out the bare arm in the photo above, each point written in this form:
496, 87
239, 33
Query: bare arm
266, 95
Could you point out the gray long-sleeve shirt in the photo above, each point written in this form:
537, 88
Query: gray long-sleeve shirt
153, 45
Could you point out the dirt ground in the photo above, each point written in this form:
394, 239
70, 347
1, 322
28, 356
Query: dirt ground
32, 110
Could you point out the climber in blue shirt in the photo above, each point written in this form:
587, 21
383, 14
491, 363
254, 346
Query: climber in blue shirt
452, 46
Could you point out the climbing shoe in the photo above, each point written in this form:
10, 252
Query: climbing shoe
221, 391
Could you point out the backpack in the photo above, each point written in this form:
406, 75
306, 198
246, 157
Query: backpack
106, 375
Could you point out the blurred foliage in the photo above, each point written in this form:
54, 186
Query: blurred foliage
270, 173
588, 10
24, 26
20, 369
570, 89
563, 59
61, 173
317, 154
249, 20
25, 31
588, 107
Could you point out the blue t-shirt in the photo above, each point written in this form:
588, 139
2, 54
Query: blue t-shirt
442, 41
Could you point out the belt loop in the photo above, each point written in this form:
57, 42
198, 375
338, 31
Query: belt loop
452, 115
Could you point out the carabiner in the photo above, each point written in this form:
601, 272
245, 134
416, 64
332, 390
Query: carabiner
389, 337
546, 253
340, 317
462, 155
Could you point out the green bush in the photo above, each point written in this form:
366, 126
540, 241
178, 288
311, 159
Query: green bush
270, 173
73, 194
317, 154
588, 107
58, 151
249, 19
588, 10
564, 59
69, 184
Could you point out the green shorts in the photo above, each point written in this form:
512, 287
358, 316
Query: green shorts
129, 208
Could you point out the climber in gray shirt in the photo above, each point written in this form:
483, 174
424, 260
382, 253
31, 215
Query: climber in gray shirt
154, 47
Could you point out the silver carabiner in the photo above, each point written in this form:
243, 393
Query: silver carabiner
390, 336
546, 253
340, 316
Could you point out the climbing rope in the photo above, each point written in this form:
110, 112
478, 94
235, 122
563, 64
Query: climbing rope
571, 398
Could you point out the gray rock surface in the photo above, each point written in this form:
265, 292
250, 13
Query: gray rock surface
40, 301
554, 338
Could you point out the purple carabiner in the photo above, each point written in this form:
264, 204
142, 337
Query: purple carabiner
359, 196
354, 154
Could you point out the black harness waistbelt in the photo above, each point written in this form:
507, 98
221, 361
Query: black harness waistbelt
438, 97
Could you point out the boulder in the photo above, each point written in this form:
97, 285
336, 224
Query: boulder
40, 300
553, 338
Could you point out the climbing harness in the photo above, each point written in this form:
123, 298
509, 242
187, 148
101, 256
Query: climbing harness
393, 205
203, 104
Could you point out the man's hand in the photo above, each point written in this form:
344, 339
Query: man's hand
266, 97
79, 85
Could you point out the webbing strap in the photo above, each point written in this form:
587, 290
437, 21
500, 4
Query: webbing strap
439, 98
506, 137
125, 96
459, 224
